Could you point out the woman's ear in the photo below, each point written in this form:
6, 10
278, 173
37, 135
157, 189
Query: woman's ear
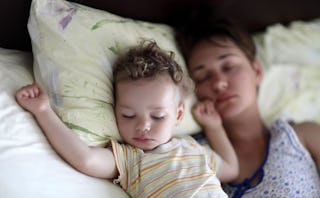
258, 70
180, 112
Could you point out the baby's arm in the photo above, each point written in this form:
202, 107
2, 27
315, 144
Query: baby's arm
210, 120
309, 135
97, 162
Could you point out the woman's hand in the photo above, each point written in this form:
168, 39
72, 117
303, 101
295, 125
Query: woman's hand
33, 98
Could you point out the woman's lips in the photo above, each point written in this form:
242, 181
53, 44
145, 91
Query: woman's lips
224, 98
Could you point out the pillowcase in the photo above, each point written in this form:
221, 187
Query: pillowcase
74, 48
291, 92
297, 43
290, 58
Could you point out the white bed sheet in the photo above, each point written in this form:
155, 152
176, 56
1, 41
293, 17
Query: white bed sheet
28, 165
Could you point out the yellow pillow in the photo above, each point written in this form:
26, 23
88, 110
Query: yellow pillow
74, 48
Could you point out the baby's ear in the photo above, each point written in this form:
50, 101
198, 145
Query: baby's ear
180, 112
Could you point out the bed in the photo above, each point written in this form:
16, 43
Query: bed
54, 41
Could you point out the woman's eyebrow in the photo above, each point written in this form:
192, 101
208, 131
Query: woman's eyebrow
223, 56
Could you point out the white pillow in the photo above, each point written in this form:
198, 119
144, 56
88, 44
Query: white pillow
290, 91
298, 43
290, 55
74, 48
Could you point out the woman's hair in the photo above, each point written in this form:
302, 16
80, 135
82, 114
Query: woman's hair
202, 26
148, 61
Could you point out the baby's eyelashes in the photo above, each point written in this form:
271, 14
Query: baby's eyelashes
154, 117
158, 117
128, 116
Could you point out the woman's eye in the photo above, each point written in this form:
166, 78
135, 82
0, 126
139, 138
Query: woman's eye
229, 68
202, 79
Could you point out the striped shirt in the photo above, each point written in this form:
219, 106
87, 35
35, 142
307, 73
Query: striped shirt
179, 168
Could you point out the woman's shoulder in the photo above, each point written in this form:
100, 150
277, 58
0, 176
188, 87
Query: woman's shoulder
282, 131
297, 126
307, 132
306, 126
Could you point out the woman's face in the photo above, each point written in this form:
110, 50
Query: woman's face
224, 75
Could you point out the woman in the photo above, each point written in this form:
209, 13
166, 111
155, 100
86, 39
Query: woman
281, 161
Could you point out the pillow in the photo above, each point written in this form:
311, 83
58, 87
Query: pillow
292, 92
74, 49
297, 43
290, 57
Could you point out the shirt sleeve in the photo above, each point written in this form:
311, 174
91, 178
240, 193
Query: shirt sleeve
214, 159
119, 152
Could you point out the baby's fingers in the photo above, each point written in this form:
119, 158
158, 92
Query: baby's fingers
209, 107
34, 91
22, 93
198, 109
29, 91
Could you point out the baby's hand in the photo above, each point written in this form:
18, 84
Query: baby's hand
33, 98
206, 114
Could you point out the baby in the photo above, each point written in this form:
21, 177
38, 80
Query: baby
150, 88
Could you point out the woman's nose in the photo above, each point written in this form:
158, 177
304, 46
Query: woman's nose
219, 84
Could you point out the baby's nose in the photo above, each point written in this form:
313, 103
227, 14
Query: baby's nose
143, 127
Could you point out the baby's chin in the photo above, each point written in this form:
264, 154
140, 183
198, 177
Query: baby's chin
147, 147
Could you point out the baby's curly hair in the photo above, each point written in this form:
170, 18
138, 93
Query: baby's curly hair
147, 60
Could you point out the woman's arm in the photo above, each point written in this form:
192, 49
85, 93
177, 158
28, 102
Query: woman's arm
97, 162
210, 120
309, 135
